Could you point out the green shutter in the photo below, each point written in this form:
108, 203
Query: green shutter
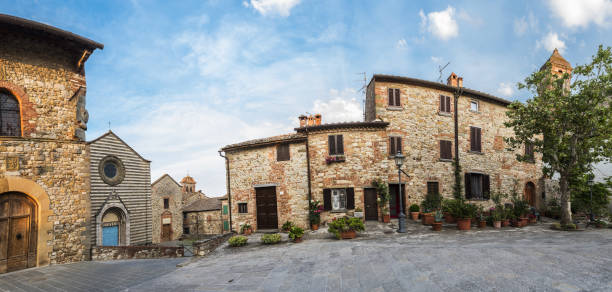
224, 209
225, 225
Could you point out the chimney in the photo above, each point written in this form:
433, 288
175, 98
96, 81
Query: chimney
452, 80
303, 120
460, 81
317, 119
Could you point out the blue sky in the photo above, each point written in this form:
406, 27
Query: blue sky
180, 79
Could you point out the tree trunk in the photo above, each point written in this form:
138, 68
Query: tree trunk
566, 210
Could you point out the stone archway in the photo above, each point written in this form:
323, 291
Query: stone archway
530, 193
18, 232
123, 223
42, 212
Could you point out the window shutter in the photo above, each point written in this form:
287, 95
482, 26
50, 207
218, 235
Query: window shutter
398, 144
442, 107
350, 198
397, 97
391, 100
473, 139
479, 139
468, 186
339, 145
448, 104
486, 187
327, 205
332, 144
392, 146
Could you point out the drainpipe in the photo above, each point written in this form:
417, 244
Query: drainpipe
308, 170
457, 93
229, 192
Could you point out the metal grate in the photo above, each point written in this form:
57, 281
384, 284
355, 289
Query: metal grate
10, 118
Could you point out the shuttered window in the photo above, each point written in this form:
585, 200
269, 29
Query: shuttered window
445, 106
282, 152
242, 208
336, 145
433, 188
395, 145
529, 152
477, 186
394, 97
446, 149
475, 139
338, 199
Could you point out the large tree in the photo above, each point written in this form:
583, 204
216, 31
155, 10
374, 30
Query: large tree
568, 120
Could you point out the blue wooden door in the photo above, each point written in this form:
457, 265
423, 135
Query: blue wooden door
110, 235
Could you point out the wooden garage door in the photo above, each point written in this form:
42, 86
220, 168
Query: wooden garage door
17, 232
267, 217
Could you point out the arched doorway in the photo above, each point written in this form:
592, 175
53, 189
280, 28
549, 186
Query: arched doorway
113, 227
18, 232
166, 230
530, 193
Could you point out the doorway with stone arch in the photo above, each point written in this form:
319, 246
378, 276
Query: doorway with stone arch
530, 193
18, 232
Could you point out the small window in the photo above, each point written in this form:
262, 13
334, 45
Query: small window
529, 152
395, 145
166, 203
184, 215
475, 139
474, 106
338, 197
433, 188
282, 152
394, 97
185, 230
477, 186
445, 106
446, 149
336, 145
242, 208
10, 115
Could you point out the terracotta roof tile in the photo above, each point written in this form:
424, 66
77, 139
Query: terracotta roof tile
205, 204
266, 141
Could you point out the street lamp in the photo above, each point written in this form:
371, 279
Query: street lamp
399, 160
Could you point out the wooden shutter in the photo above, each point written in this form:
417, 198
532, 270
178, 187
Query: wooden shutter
442, 107
282, 152
391, 99
468, 186
445, 149
327, 204
332, 144
397, 97
486, 187
392, 146
448, 104
339, 145
350, 198
479, 139
398, 144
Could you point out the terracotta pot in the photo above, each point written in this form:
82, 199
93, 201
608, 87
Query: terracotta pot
524, 221
348, 234
297, 240
482, 224
497, 224
386, 218
248, 231
506, 223
314, 226
533, 220
427, 219
516, 223
464, 224
414, 215
448, 218
436, 226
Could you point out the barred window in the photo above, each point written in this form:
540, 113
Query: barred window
10, 116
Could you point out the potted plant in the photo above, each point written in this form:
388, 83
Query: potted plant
383, 199
296, 233
432, 202
271, 238
287, 226
358, 212
246, 229
345, 227
482, 221
495, 217
448, 204
463, 213
315, 214
237, 240
437, 224
507, 214
414, 212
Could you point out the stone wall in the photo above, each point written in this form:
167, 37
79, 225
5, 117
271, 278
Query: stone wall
106, 253
255, 167
44, 78
422, 127
204, 222
204, 247
166, 187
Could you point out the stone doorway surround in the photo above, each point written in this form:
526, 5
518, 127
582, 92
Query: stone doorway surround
43, 212
126, 220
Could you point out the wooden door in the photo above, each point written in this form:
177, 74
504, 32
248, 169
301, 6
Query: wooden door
371, 206
394, 207
530, 194
267, 217
166, 232
18, 232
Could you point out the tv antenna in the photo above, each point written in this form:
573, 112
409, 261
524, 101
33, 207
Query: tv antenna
440, 69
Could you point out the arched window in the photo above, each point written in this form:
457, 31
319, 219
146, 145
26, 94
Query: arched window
10, 117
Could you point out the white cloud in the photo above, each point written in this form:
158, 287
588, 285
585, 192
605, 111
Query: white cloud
341, 106
436, 59
520, 26
505, 89
273, 7
550, 42
575, 13
401, 44
441, 24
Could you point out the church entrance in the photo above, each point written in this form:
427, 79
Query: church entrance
18, 232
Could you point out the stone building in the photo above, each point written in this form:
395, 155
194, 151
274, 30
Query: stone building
44, 159
271, 180
120, 193
168, 198
203, 217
